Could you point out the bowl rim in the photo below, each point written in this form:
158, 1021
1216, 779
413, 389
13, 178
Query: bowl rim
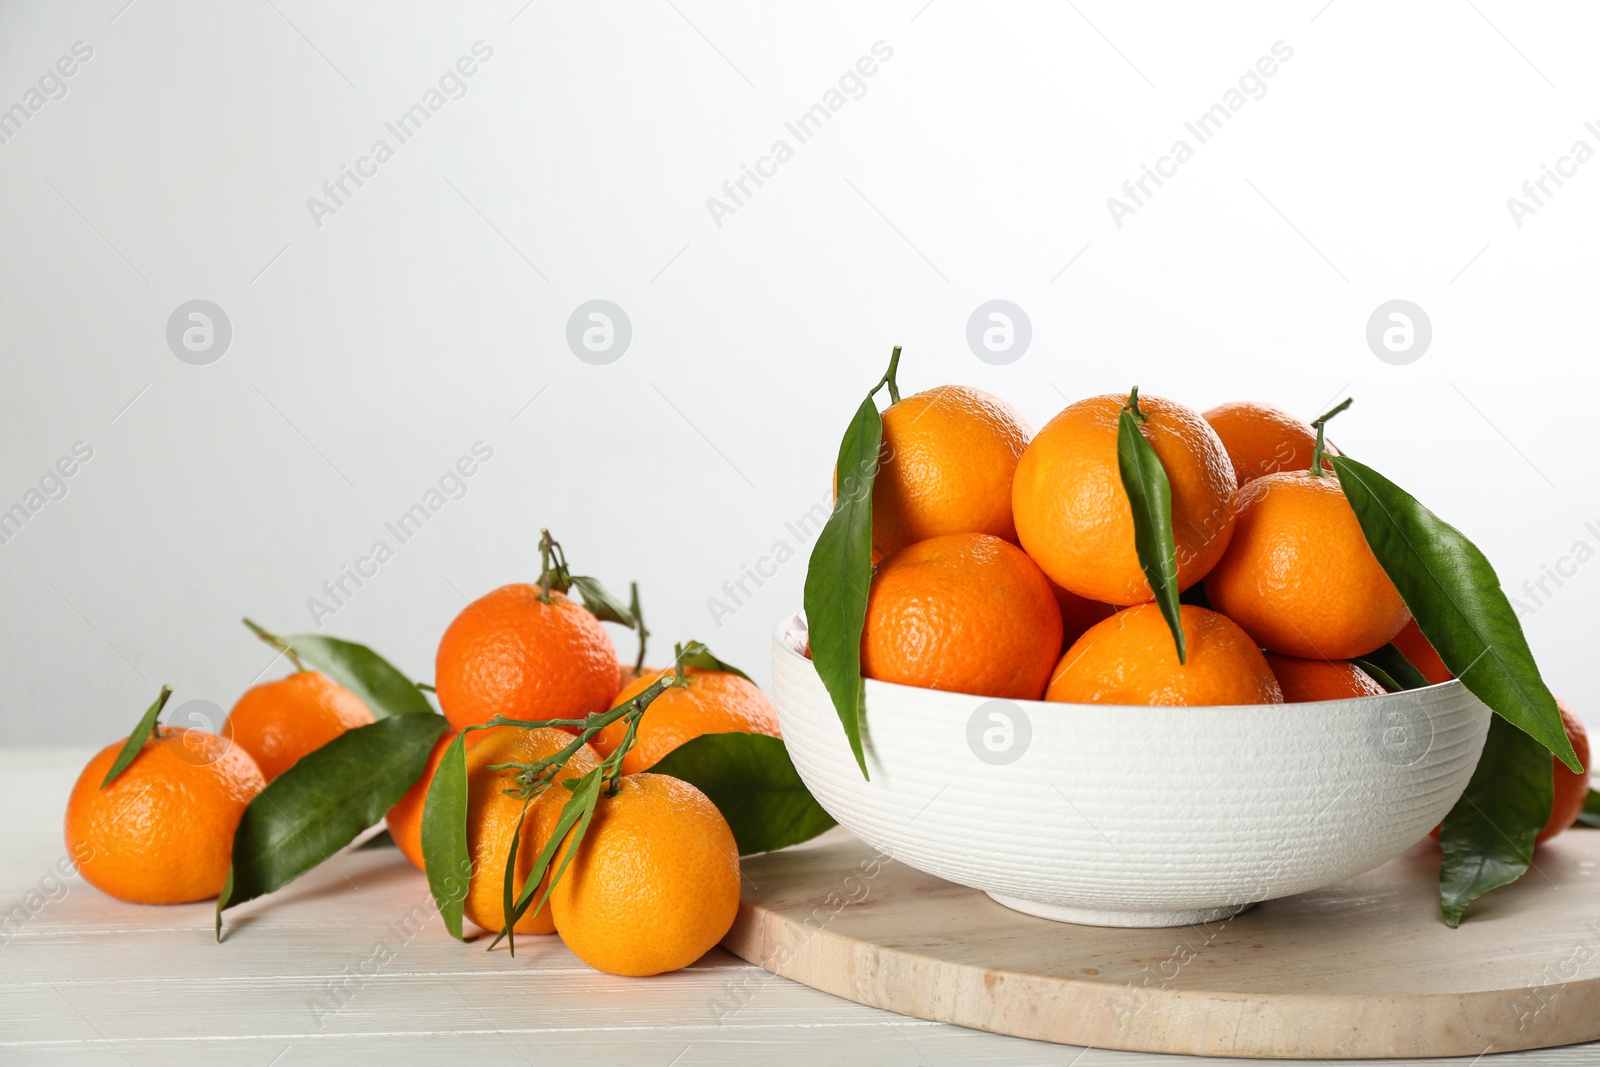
796, 623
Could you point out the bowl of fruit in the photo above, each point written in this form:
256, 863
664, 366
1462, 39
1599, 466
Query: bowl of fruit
1131, 815
1149, 667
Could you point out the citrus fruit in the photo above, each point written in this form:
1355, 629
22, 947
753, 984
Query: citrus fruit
945, 467
966, 613
1130, 659
525, 653
1074, 518
1078, 614
1299, 575
1571, 790
1262, 439
162, 831
1307, 680
705, 702
1416, 648
627, 675
404, 820
493, 817
653, 885
278, 722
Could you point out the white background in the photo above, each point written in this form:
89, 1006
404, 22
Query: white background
370, 353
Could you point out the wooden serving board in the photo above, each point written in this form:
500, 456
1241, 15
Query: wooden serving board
1361, 969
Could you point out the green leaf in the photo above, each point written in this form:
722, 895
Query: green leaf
1590, 815
696, 654
508, 887
382, 688
601, 604
444, 835
752, 781
1454, 595
141, 733
1487, 838
1150, 493
321, 803
839, 575
1390, 669
577, 811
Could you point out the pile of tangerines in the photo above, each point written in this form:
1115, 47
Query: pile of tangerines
651, 886
1005, 563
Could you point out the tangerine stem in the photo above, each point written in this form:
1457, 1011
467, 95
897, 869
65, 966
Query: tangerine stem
276, 642
1133, 404
1319, 451
889, 377
638, 619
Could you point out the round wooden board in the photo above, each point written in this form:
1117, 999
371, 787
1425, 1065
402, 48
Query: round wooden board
1363, 969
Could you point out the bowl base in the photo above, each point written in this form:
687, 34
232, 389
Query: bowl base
1099, 917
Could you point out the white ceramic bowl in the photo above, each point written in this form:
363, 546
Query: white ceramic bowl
1131, 816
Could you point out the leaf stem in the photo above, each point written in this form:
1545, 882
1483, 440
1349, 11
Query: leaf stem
638, 620
1133, 405
889, 378
1321, 448
276, 642
553, 573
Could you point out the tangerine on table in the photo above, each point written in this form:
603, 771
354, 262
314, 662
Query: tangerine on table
493, 817
1299, 575
653, 885
1570, 789
1262, 439
966, 613
1073, 515
1130, 658
162, 831
279, 722
525, 653
1308, 680
947, 458
705, 702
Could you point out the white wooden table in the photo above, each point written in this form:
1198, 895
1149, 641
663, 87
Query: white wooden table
305, 977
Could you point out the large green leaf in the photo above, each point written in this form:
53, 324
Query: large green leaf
383, 689
752, 781
445, 857
321, 803
1487, 838
141, 733
1145, 481
1456, 599
839, 575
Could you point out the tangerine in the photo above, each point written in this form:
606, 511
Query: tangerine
705, 702
279, 722
946, 463
1073, 515
1130, 658
966, 613
162, 831
526, 653
1300, 576
654, 883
